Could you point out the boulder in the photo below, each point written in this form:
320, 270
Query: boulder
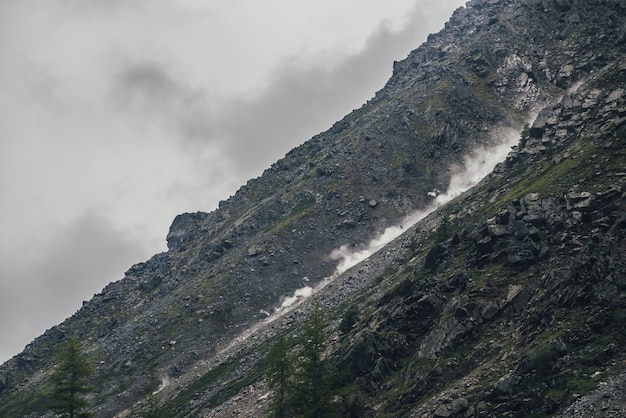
506, 385
539, 125
255, 250
436, 256
518, 297
497, 231
578, 201
489, 310
452, 409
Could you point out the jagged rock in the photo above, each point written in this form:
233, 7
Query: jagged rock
518, 297
369, 356
506, 385
445, 336
255, 250
578, 201
489, 310
453, 409
184, 230
567, 73
25, 361
539, 125
435, 257
498, 231
563, 5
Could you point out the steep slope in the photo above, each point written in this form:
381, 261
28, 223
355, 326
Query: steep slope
508, 301
494, 63
514, 306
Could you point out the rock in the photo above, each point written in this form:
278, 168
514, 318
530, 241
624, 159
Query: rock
573, 18
445, 336
25, 361
3, 382
566, 75
578, 201
538, 127
497, 231
367, 354
518, 297
255, 250
102, 331
523, 254
489, 310
436, 256
506, 385
452, 409
185, 229
608, 399
563, 5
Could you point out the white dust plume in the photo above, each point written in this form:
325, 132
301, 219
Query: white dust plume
475, 167
298, 295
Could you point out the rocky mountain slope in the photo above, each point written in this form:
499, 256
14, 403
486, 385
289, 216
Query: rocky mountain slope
507, 301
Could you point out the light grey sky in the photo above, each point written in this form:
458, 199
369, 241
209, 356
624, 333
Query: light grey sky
115, 116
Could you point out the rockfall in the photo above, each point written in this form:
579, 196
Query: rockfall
509, 300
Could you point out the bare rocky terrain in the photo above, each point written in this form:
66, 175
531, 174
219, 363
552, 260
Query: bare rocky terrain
509, 300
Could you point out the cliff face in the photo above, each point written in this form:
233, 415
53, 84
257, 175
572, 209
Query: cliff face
509, 300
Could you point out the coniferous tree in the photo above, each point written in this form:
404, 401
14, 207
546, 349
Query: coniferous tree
152, 408
70, 381
279, 373
314, 374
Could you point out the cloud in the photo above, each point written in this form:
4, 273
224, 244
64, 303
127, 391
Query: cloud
304, 95
307, 94
149, 85
60, 272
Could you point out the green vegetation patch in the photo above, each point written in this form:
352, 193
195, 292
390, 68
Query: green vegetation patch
212, 377
35, 400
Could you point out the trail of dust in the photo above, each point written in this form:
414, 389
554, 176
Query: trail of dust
475, 167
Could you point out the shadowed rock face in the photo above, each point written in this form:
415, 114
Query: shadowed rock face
495, 304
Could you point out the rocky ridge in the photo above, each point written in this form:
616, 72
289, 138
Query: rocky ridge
534, 255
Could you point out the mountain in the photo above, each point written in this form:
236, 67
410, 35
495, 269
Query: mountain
509, 300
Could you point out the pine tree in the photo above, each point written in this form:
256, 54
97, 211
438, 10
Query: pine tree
70, 380
279, 373
314, 377
151, 407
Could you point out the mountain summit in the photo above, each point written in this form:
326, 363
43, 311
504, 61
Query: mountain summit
509, 300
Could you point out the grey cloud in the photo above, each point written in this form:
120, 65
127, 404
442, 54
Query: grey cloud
151, 89
99, 6
150, 81
147, 87
303, 101
299, 101
70, 265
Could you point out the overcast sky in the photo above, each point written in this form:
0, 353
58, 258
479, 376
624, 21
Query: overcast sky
115, 116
